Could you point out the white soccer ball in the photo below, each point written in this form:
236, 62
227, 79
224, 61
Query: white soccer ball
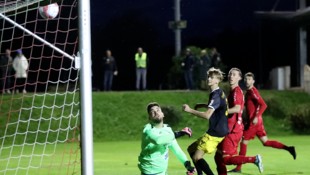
49, 11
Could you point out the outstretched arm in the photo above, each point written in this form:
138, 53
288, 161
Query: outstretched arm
184, 131
178, 152
200, 105
206, 115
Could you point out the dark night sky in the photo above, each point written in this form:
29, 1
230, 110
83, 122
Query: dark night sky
231, 26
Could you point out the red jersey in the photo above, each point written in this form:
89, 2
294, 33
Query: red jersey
255, 105
235, 97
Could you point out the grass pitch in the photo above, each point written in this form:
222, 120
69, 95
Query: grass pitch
115, 158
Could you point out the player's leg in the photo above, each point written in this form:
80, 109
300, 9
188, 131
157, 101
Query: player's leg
191, 151
202, 163
237, 160
278, 145
262, 135
207, 144
220, 165
230, 147
242, 152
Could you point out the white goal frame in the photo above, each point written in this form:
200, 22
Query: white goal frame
86, 88
87, 165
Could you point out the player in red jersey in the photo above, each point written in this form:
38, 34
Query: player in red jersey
255, 106
227, 153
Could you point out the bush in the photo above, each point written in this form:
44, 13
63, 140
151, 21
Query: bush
300, 119
276, 108
175, 75
172, 116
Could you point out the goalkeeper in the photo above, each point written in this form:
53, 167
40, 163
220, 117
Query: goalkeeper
157, 139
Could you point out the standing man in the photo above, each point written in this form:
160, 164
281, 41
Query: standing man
20, 65
216, 113
255, 107
227, 153
6, 69
205, 63
110, 70
141, 68
215, 58
188, 68
157, 139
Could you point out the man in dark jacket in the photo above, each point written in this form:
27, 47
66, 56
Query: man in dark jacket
110, 70
188, 67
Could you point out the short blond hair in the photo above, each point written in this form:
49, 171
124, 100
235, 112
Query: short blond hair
235, 69
216, 72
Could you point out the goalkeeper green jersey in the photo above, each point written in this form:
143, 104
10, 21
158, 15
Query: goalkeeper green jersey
155, 146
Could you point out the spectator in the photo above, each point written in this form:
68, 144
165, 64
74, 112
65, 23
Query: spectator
110, 70
6, 69
20, 65
205, 63
141, 68
188, 67
215, 58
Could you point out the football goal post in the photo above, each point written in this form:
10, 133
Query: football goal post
45, 87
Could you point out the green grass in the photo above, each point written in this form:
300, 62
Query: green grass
120, 157
119, 118
40, 159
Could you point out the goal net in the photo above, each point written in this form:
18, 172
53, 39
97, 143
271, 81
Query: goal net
39, 85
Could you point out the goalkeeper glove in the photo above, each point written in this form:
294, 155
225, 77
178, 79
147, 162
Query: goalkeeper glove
184, 131
190, 170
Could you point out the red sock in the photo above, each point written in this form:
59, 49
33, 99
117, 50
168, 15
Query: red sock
237, 160
243, 149
274, 144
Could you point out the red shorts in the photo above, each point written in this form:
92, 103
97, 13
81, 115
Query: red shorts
254, 130
229, 146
